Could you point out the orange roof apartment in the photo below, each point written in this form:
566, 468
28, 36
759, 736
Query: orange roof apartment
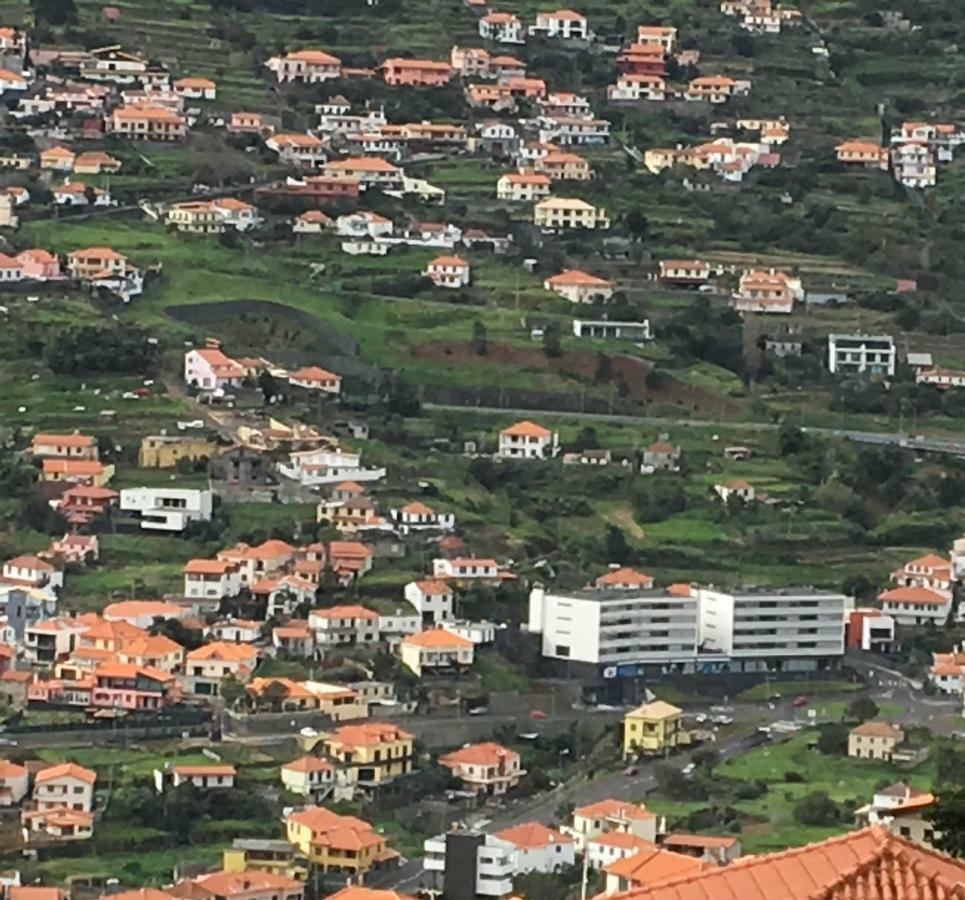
145, 122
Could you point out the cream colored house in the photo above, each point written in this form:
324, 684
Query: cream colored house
568, 213
874, 740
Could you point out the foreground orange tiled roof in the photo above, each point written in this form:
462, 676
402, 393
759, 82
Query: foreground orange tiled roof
871, 864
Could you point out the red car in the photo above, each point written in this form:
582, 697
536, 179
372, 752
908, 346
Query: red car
801, 701
538, 714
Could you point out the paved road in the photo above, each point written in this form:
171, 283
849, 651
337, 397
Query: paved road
580, 791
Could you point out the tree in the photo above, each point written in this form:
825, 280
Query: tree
479, 338
862, 709
833, 739
552, 342
817, 808
232, 690
54, 12
617, 548
790, 438
947, 818
638, 224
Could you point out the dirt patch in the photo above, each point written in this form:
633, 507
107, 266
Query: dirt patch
582, 366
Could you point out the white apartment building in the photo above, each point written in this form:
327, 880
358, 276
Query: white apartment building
167, 509
759, 629
471, 858
613, 627
861, 354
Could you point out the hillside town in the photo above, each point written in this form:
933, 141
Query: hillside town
475, 450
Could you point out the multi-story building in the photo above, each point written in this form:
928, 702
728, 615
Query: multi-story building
654, 728
527, 440
563, 23
308, 66
609, 627
580, 287
142, 121
308, 776
609, 816
64, 446
874, 740
216, 578
568, 213
208, 666
164, 451
416, 72
684, 272
467, 864
485, 768
861, 354
522, 186
436, 650
370, 754
66, 785
167, 509
773, 629
448, 272
432, 599
466, 568
862, 153
916, 605
345, 625
503, 28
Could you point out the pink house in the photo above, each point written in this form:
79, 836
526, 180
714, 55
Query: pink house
129, 686
418, 72
39, 265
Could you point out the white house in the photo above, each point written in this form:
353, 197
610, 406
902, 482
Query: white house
363, 224
215, 578
527, 440
538, 847
916, 605
448, 272
503, 28
308, 776
167, 509
66, 785
861, 354
432, 599
608, 816
309, 66
32, 571
523, 186
303, 150
315, 378
209, 369
465, 568
204, 777
436, 650
313, 468
736, 489
418, 516
580, 287
14, 781
344, 625
563, 23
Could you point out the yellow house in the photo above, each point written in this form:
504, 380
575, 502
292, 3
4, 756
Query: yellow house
260, 855
162, 451
653, 728
568, 213
334, 843
370, 753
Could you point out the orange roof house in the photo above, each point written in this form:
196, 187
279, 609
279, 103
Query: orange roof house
870, 864
624, 578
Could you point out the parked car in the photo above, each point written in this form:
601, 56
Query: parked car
800, 700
